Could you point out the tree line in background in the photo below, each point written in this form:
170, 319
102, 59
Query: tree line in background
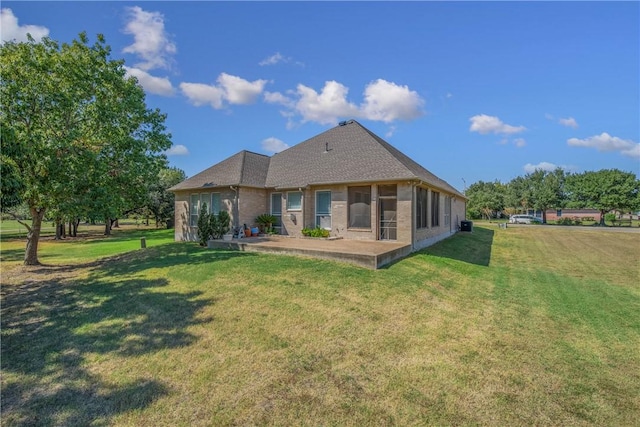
78, 141
606, 190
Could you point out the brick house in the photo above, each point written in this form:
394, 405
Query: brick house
555, 214
346, 180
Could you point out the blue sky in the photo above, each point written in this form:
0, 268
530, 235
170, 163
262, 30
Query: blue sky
472, 91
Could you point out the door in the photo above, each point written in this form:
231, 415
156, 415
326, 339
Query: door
276, 211
323, 209
387, 212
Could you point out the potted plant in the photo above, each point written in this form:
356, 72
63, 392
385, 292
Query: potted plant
219, 224
265, 222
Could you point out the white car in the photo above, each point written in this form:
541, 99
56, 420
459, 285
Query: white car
524, 219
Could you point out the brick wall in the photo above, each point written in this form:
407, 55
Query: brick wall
340, 213
427, 236
252, 202
552, 214
293, 220
183, 230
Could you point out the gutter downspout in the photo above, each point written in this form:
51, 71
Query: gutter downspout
236, 209
414, 230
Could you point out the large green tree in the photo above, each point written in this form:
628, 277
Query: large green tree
161, 203
605, 190
515, 199
77, 134
485, 198
544, 190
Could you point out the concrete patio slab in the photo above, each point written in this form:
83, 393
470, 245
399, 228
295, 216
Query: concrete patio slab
368, 254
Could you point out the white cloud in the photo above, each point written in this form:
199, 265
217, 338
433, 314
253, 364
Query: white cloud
545, 166
485, 124
324, 107
151, 43
177, 150
11, 30
278, 98
383, 101
152, 84
633, 152
202, 94
273, 59
386, 101
568, 122
606, 142
232, 89
390, 132
240, 91
274, 145
279, 58
519, 142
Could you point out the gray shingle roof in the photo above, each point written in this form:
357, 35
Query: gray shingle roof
344, 154
244, 168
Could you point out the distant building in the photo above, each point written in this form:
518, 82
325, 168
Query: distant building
554, 214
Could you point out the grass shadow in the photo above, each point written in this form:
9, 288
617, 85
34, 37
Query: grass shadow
50, 325
168, 255
472, 248
126, 235
9, 255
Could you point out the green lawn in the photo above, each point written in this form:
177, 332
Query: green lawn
90, 246
10, 228
518, 326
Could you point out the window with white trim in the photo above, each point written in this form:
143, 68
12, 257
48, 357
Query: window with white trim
197, 201
359, 207
194, 207
294, 201
214, 206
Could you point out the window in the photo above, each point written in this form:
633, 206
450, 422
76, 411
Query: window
360, 207
214, 206
421, 207
559, 213
194, 207
276, 209
197, 201
435, 209
323, 209
447, 210
294, 201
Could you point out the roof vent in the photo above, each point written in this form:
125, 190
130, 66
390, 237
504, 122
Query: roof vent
343, 123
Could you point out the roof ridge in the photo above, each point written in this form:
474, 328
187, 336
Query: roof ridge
257, 154
244, 160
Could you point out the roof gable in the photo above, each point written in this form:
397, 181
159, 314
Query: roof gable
346, 153
244, 168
